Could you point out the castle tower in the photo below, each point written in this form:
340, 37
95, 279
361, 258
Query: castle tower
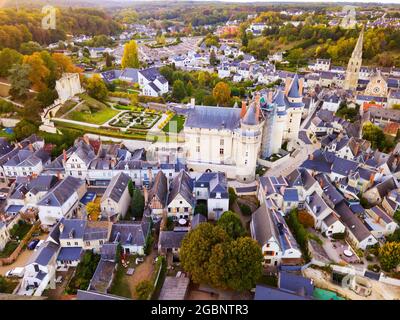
248, 142
354, 65
294, 107
274, 125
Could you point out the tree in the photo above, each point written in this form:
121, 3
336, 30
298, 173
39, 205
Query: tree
131, 187
39, 71
213, 58
305, 219
189, 89
64, 64
108, 60
236, 265
93, 210
389, 255
47, 97
178, 90
222, 93
8, 57
24, 129
143, 289
30, 47
19, 79
201, 208
137, 203
130, 58
232, 196
196, 248
96, 87
231, 223
245, 39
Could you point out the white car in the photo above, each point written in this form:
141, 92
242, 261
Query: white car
16, 272
139, 260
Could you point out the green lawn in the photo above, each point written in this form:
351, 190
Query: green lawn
120, 286
92, 111
180, 121
8, 249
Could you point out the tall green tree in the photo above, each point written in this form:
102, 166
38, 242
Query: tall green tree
137, 205
19, 79
236, 265
8, 57
196, 249
130, 59
231, 223
178, 90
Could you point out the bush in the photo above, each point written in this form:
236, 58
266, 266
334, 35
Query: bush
232, 196
246, 210
374, 267
143, 289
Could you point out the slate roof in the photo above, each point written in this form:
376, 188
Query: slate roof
215, 182
343, 166
45, 253
129, 233
213, 118
171, 239
290, 195
295, 284
182, 185
316, 204
116, 188
70, 254
159, 188
269, 293
94, 295
61, 192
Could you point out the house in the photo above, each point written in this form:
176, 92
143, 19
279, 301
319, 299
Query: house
175, 288
213, 187
379, 222
170, 242
391, 203
156, 197
269, 229
376, 194
318, 209
331, 225
27, 162
61, 201
4, 235
132, 236
40, 271
181, 201
270, 293
331, 102
77, 164
116, 199
296, 284
272, 188
357, 233
304, 182
152, 82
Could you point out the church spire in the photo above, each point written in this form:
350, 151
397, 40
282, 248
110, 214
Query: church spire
354, 65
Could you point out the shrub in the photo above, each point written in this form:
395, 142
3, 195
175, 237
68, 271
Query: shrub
143, 289
232, 196
246, 210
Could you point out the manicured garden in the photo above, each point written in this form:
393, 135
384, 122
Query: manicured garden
138, 120
92, 111
176, 119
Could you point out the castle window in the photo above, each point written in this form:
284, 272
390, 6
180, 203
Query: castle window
221, 142
221, 151
198, 149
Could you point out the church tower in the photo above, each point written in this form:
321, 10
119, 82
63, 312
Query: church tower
354, 66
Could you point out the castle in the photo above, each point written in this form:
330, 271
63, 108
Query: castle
232, 139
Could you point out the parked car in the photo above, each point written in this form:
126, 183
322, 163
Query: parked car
32, 245
139, 260
39, 244
16, 272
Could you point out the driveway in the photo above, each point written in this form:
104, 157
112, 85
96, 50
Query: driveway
22, 259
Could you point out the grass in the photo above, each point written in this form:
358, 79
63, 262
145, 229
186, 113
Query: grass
160, 264
9, 249
180, 121
67, 106
92, 111
7, 285
20, 230
132, 134
120, 286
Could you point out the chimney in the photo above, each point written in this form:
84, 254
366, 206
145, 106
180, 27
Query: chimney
64, 155
30, 147
192, 102
86, 139
288, 81
61, 227
301, 86
243, 112
145, 195
371, 178
311, 156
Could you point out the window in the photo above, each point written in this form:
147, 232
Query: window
198, 139
68, 243
76, 243
186, 209
198, 149
269, 253
221, 151
221, 142
101, 241
87, 243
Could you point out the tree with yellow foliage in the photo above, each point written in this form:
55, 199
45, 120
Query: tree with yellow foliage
39, 72
93, 210
222, 93
130, 59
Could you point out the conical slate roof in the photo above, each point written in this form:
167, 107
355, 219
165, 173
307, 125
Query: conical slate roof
294, 90
250, 117
279, 98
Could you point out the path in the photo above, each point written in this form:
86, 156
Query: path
13, 102
77, 105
